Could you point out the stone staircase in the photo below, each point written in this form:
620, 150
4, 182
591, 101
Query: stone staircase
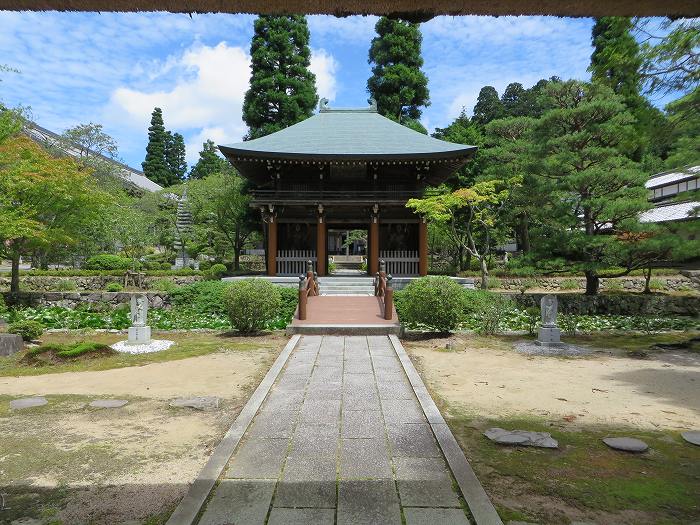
338, 285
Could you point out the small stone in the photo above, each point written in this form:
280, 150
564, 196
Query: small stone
627, 444
521, 437
108, 403
27, 402
198, 403
692, 436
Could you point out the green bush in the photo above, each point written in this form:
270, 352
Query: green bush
29, 330
151, 265
251, 304
218, 270
331, 266
108, 262
114, 287
569, 284
204, 265
657, 284
4, 310
166, 266
433, 302
203, 296
66, 285
363, 266
489, 311
533, 318
289, 297
569, 324
164, 285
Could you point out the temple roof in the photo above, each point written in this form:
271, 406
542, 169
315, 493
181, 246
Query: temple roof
348, 134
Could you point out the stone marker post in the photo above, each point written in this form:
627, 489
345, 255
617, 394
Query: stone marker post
139, 333
549, 334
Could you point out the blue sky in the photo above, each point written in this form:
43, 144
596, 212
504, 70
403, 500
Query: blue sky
113, 68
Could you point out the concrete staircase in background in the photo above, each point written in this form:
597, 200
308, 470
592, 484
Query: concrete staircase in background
338, 285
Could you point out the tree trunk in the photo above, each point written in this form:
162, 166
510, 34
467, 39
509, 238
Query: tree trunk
460, 258
237, 251
14, 279
647, 279
524, 233
484, 273
592, 283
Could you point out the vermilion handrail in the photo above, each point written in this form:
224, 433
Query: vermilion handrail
308, 285
384, 291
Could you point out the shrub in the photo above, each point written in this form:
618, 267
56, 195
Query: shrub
4, 310
251, 304
363, 266
114, 287
66, 285
331, 266
166, 266
204, 265
164, 285
217, 271
527, 284
569, 284
532, 315
433, 302
492, 313
29, 330
108, 262
495, 282
151, 265
204, 296
289, 297
569, 324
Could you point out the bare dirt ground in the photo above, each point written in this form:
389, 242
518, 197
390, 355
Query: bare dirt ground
67, 463
485, 376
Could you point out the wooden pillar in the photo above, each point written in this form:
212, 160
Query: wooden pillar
422, 247
271, 246
321, 252
373, 252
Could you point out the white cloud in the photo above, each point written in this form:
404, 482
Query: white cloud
325, 67
205, 101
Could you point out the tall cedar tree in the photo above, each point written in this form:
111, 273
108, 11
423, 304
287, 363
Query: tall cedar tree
282, 89
595, 192
155, 167
175, 158
488, 106
617, 62
209, 162
397, 83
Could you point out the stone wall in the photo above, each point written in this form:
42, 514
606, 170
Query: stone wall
669, 283
73, 299
43, 283
618, 304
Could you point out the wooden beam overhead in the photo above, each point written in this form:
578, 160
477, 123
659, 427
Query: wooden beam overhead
409, 9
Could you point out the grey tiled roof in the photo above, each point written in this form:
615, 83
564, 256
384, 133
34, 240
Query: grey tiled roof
677, 211
348, 133
670, 177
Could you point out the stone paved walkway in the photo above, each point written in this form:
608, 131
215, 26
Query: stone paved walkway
340, 439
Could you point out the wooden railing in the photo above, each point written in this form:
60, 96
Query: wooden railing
383, 290
292, 262
400, 262
308, 285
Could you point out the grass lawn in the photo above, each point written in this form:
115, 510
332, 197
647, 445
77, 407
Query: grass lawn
584, 479
187, 344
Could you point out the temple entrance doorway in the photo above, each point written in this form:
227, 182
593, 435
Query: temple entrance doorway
347, 247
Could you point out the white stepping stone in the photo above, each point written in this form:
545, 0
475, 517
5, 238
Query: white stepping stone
521, 437
627, 444
108, 403
27, 402
692, 436
198, 403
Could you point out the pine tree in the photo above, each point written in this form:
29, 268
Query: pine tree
616, 60
488, 106
397, 83
155, 167
209, 162
282, 89
514, 100
175, 157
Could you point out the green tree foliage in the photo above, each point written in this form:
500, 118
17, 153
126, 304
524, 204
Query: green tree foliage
488, 106
155, 166
671, 61
282, 89
175, 157
45, 202
463, 131
595, 193
397, 83
514, 100
209, 162
684, 130
220, 207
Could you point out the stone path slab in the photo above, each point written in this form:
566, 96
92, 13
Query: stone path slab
341, 438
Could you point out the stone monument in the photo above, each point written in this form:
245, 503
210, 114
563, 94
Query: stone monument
139, 333
549, 334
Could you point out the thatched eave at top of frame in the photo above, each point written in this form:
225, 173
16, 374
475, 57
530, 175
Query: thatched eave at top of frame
409, 9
